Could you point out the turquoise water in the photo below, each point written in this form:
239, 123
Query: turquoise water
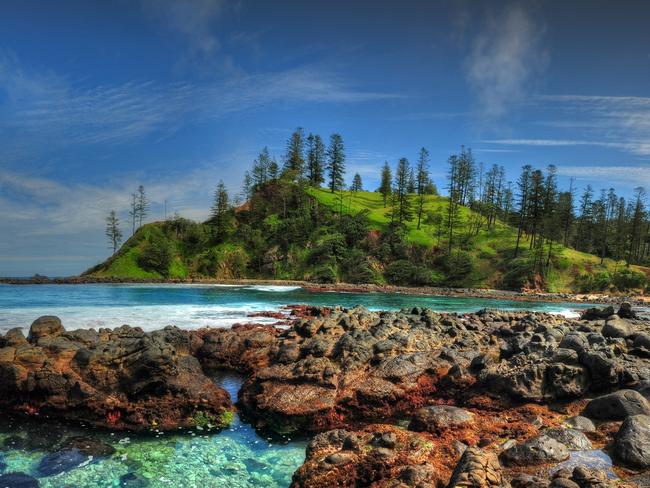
194, 306
235, 457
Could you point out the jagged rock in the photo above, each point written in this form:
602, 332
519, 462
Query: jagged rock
591, 478
571, 438
18, 480
581, 423
596, 313
617, 406
644, 388
523, 480
617, 327
437, 417
122, 379
330, 463
625, 311
478, 469
538, 450
632, 441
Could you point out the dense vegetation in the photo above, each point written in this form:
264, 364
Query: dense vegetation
484, 234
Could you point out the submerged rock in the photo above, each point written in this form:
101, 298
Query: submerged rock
133, 480
60, 461
18, 480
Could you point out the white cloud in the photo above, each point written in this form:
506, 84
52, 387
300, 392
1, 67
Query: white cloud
50, 109
631, 176
192, 20
504, 57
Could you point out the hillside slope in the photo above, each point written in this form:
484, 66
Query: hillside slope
290, 232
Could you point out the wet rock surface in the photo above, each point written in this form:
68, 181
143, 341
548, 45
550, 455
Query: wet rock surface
410, 398
122, 378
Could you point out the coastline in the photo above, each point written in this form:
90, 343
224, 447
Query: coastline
484, 293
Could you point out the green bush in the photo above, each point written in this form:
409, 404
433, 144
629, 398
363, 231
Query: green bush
156, 255
627, 279
324, 274
457, 266
593, 282
403, 272
519, 273
356, 269
332, 248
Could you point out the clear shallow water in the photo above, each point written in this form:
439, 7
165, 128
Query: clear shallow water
235, 457
193, 306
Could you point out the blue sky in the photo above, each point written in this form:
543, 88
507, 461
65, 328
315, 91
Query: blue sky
99, 97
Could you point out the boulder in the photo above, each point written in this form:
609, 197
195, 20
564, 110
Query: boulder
45, 326
478, 468
573, 439
596, 313
617, 406
439, 417
632, 442
616, 327
625, 311
644, 388
581, 423
538, 450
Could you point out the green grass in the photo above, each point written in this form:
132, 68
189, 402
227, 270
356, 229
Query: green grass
491, 250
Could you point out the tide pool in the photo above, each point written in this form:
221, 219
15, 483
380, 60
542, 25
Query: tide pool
234, 457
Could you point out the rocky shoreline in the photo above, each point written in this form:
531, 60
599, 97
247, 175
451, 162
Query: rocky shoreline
522, 296
392, 399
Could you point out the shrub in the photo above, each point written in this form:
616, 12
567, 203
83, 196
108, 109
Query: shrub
627, 279
519, 273
593, 282
333, 247
356, 269
403, 272
457, 266
157, 255
324, 274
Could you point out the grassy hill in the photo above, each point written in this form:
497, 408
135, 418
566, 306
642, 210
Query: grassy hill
302, 236
492, 251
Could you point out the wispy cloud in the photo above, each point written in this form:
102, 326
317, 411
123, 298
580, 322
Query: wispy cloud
194, 21
504, 57
39, 216
51, 108
631, 176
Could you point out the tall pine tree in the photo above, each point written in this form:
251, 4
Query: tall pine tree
315, 160
386, 182
336, 162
